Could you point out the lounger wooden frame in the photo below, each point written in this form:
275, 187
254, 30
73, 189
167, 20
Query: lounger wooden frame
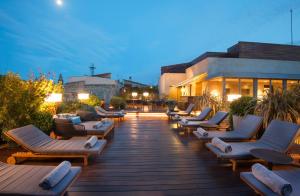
13, 158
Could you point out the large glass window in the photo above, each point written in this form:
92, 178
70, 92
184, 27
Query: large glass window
263, 87
247, 87
277, 84
232, 89
214, 86
290, 83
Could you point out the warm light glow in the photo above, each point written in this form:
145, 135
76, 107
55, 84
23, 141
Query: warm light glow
214, 93
54, 98
83, 96
145, 94
134, 94
232, 97
59, 2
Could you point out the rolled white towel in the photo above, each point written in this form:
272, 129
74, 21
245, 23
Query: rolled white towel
202, 132
105, 120
223, 146
276, 183
177, 116
90, 143
98, 125
184, 121
56, 175
122, 111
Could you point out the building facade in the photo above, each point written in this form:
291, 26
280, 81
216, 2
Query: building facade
103, 88
246, 69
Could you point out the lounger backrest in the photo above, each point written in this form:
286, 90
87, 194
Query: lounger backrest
204, 113
280, 135
30, 137
218, 118
190, 108
250, 125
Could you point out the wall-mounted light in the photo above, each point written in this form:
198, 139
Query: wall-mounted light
54, 98
215, 93
145, 94
83, 96
232, 97
134, 94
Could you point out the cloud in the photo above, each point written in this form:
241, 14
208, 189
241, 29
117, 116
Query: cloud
67, 42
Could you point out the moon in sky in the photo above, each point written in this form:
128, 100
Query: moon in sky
59, 2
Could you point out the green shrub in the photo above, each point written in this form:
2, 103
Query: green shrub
118, 102
242, 106
92, 101
69, 107
21, 101
278, 104
171, 104
43, 120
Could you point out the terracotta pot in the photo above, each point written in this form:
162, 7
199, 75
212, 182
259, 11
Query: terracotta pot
236, 121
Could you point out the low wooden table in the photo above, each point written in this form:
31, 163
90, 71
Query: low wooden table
271, 157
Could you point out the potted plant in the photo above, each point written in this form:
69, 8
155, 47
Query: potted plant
171, 105
239, 108
279, 104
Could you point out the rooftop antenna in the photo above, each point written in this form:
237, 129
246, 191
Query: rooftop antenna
92, 69
291, 10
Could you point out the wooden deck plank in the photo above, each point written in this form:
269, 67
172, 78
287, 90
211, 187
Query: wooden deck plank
147, 157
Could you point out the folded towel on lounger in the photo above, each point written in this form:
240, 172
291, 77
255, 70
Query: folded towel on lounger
91, 142
202, 132
105, 120
276, 183
56, 175
98, 125
184, 121
223, 146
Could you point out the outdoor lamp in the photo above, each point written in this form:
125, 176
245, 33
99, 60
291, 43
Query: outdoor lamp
54, 98
146, 94
134, 94
83, 96
232, 97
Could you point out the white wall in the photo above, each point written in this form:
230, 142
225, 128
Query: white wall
168, 79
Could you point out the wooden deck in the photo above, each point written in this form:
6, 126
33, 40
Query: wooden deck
147, 157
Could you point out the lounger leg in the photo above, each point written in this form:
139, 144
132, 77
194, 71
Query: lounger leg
85, 161
234, 165
11, 160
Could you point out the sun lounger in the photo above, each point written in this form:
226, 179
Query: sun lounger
214, 122
99, 108
292, 176
65, 128
40, 145
187, 112
278, 136
246, 130
108, 115
25, 179
202, 116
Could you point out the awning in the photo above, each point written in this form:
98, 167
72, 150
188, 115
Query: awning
190, 80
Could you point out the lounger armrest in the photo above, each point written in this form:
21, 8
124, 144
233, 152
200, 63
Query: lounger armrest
207, 125
79, 127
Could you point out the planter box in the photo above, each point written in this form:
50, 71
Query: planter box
236, 121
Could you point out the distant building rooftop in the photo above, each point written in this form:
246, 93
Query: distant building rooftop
92, 80
249, 50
